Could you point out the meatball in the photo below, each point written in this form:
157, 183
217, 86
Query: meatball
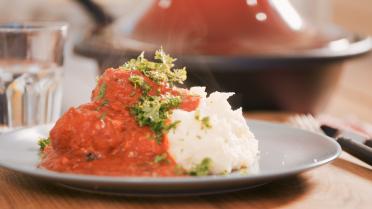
84, 131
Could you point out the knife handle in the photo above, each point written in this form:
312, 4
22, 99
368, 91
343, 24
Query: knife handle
368, 142
358, 150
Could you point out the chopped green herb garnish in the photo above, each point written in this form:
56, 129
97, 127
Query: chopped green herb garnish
178, 170
159, 72
153, 111
203, 168
43, 142
172, 125
103, 116
139, 82
205, 121
136, 80
161, 158
104, 103
102, 91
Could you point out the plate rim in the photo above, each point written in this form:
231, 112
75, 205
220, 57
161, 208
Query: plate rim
83, 178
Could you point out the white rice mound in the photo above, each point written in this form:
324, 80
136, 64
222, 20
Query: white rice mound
228, 142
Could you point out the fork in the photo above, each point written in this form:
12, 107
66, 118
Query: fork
306, 122
309, 123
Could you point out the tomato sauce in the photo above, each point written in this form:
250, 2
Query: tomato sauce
103, 138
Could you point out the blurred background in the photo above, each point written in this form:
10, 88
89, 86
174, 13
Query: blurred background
325, 80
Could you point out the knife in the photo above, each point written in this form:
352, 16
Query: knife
334, 133
351, 143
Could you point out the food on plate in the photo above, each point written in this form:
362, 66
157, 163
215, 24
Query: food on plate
138, 123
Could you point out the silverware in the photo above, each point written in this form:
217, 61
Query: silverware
358, 150
334, 133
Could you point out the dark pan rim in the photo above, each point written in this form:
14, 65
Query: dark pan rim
92, 47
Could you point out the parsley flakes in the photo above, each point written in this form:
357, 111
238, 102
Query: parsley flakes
202, 169
205, 121
153, 111
139, 82
161, 158
43, 142
103, 116
160, 72
105, 102
101, 92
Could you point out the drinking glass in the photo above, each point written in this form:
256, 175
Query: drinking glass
31, 61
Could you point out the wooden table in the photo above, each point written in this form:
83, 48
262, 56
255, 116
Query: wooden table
345, 183
354, 95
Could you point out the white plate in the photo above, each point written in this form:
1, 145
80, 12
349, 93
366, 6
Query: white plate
285, 151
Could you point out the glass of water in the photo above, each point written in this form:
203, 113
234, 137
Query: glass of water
31, 61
